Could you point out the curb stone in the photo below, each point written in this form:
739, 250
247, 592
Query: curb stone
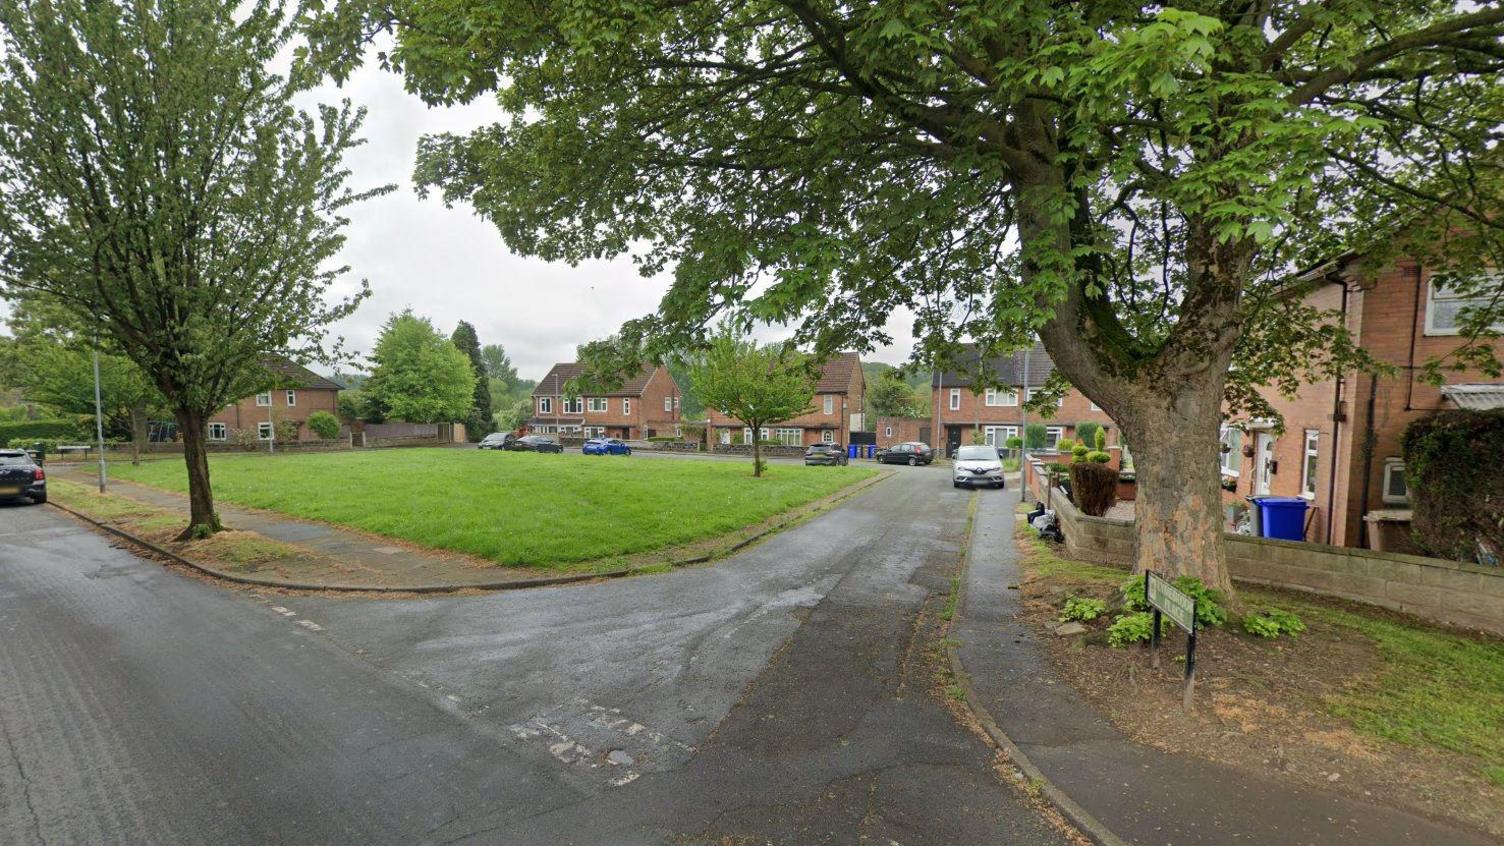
511, 584
1082, 819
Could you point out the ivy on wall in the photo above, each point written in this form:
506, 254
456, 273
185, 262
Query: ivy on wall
1452, 467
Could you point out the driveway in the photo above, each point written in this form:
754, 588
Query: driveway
781, 696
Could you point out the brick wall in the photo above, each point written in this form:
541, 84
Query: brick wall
246, 414
901, 430
1448, 592
975, 413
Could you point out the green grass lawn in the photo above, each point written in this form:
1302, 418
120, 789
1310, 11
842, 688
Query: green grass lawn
513, 508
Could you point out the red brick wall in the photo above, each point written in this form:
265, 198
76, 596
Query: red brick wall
245, 414
903, 429
975, 412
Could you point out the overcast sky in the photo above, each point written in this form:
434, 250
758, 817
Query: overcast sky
451, 265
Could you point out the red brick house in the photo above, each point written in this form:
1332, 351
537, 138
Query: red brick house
960, 409
901, 430
643, 407
1340, 448
298, 392
836, 410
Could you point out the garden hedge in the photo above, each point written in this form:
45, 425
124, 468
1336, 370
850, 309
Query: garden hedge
1456, 484
21, 433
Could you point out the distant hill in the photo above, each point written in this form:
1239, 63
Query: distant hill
871, 370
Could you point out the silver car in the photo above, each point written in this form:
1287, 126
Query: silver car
977, 465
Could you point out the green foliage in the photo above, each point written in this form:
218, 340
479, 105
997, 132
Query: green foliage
1015, 443
1086, 432
1082, 609
513, 413
1133, 593
1210, 603
1080, 450
24, 432
1064, 445
324, 424
1138, 627
479, 422
1035, 435
1273, 622
1453, 457
752, 384
1097, 456
1094, 487
1099, 439
417, 374
889, 396
498, 365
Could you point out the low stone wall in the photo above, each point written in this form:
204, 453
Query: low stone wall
779, 451
1432, 588
405, 441
673, 446
118, 451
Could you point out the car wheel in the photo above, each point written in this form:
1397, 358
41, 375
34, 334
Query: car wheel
39, 500
913, 462
955, 484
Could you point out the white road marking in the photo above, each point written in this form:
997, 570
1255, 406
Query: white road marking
310, 625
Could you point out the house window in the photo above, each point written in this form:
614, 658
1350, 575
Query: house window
955, 399
994, 397
1094, 406
668, 403
1308, 464
747, 435
1396, 492
887, 431
726, 436
545, 405
264, 400
1034, 392
264, 431
1232, 455
626, 406
1444, 305
790, 437
997, 436
292, 398
595, 431
827, 436
219, 432
598, 403
1052, 436
830, 404
574, 405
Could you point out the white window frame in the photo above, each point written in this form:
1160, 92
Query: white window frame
222, 429
789, 436
955, 399
726, 436
292, 398
264, 400
997, 436
668, 403
265, 431
887, 431
1310, 463
574, 405
595, 431
830, 403
598, 404
1052, 436
1394, 467
1059, 401
1232, 460
545, 405
1434, 292
626, 405
827, 436
995, 398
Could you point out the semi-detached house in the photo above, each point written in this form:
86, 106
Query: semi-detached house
645, 406
297, 393
836, 411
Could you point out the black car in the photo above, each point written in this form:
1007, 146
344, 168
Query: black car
21, 477
912, 453
497, 440
534, 443
831, 454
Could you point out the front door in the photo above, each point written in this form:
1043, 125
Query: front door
1263, 461
952, 439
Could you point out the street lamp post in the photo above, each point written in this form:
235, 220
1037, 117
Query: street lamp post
99, 421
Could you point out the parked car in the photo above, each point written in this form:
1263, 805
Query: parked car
977, 465
606, 446
831, 454
911, 453
534, 443
497, 440
21, 477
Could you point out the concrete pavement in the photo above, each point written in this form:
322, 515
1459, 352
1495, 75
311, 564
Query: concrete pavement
777, 697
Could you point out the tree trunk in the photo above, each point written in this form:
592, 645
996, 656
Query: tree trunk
1173, 434
139, 432
756, 451
202, 520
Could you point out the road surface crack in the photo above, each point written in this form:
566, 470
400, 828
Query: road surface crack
15, 757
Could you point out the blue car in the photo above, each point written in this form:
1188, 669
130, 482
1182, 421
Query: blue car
606, 446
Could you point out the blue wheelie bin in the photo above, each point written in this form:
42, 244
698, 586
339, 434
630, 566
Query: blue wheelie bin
1283, 517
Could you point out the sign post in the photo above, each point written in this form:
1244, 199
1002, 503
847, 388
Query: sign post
1169, 601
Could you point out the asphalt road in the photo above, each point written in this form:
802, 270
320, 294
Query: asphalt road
781, 696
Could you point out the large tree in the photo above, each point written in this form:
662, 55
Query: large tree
478, 423
1130, 181
752, 384
417, 374
156, 179
890, 396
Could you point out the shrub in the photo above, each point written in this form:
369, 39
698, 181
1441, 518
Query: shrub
1133, 628
1064, 445
1097, 456
1094, 487
1099, 440
324, 424
1086, 432
1015, 443
1079, 451
1273, 622
22, 433
1449, 457
1082, 609
1035, 435
1209, 602
1133, 593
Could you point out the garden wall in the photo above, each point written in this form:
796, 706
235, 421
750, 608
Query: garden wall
779, 451
1432, 588
172, 448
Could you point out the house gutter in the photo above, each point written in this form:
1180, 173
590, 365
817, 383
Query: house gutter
1415, 315
1331, 483
1373, 390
